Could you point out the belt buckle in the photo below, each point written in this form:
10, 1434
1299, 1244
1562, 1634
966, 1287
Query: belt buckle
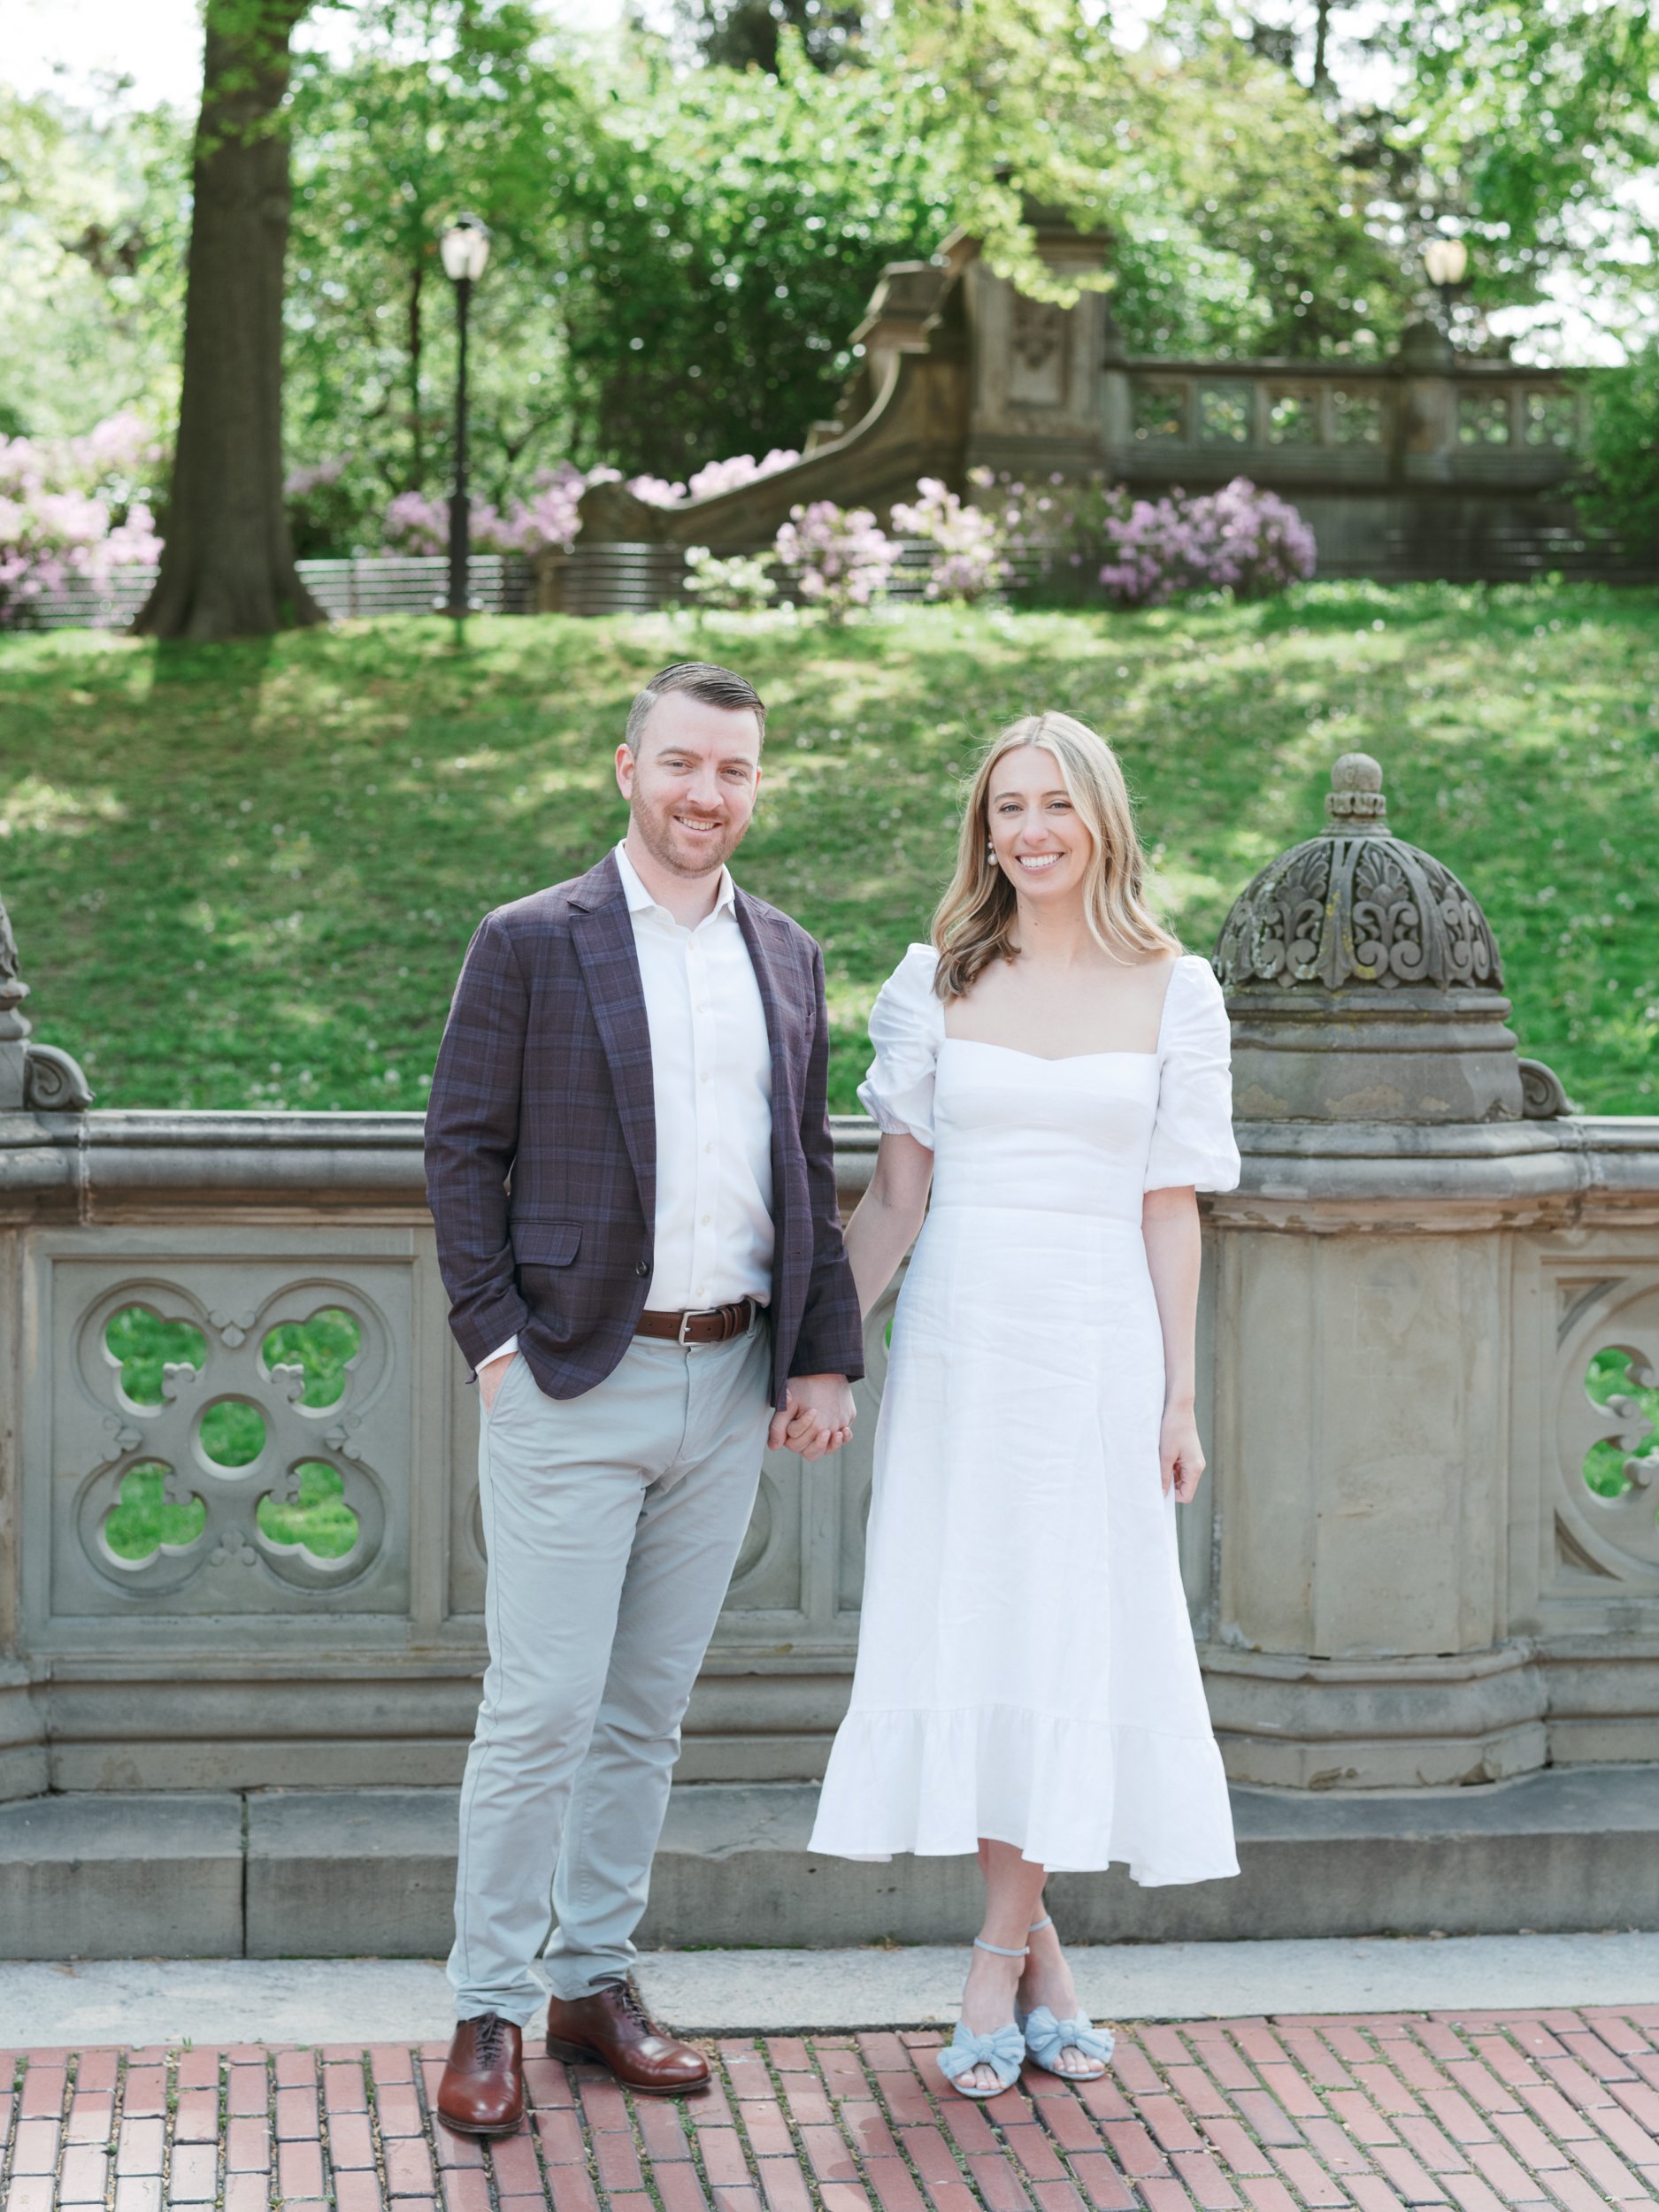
687, 1317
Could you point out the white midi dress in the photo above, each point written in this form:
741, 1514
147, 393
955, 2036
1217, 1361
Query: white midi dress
1025, 1665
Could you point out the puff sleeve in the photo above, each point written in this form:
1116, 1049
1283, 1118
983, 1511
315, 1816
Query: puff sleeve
1192, 1138
907, 1027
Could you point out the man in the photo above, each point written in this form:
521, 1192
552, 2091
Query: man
629, 1165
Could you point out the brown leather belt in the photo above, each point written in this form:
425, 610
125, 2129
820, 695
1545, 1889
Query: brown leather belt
716, 1324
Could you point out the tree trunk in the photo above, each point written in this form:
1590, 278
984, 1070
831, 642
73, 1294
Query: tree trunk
228, 564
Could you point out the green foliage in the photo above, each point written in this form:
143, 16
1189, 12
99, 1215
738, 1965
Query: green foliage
1252, 232
324, 1346
143, 1344
1623, 455
1610, 1377
92, 227
727, 231
1532, 121
320, 1519
143, 1519
442, 108
243, 876
681, 256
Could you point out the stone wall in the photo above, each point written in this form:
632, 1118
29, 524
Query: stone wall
1398, 1574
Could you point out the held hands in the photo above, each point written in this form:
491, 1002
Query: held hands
1180, 1454
818, 1418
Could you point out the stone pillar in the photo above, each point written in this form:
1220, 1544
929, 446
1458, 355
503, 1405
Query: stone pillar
34, 1079
1359, 1636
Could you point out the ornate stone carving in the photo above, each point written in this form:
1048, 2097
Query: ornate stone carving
1543, 1097
33, 1079
1357, 906
53, 1083
1036, 364
1614, 1524
169, 1436
12, 987
1039, 331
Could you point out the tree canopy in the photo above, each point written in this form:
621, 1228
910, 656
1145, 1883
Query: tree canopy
687, 225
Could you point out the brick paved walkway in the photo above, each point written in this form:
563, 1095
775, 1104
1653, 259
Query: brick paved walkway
1474, 2111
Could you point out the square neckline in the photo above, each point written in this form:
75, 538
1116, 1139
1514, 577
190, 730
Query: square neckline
1064, 1059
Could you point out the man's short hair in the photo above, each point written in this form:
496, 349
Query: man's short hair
701, 679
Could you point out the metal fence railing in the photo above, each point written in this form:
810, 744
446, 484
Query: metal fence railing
390, 583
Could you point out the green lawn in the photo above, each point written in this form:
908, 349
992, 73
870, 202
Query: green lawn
245, 876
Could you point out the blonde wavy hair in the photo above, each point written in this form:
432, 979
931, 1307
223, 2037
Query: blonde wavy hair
974, 922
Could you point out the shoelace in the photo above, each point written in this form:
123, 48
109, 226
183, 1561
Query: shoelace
633, 2005
490, 2033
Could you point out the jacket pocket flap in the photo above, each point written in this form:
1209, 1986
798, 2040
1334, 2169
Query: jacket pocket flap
546, 1243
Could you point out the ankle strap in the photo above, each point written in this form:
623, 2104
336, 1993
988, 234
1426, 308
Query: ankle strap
1037, 1926
979, 1944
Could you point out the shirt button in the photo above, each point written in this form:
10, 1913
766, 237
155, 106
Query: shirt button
707, 1218
704, 1077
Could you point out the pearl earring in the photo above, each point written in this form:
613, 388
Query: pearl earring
990, 852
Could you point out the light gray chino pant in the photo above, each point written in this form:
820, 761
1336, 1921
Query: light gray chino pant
612, 1523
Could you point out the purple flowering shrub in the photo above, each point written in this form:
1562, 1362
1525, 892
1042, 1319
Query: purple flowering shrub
837, 557
968, 558
1239, 540
1145, 552
72, 511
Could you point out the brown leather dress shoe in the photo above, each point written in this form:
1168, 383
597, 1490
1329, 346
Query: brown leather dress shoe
483, 2089
611, 2026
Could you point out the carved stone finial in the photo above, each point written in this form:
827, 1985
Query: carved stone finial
1355, 805
33, 1079
1363, 980
13, 990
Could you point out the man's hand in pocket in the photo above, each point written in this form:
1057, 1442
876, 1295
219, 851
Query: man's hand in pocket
490, 1377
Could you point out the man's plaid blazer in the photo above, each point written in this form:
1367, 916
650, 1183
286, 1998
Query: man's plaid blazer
542, 1141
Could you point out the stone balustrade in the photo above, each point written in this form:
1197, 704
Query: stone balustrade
1397, 1568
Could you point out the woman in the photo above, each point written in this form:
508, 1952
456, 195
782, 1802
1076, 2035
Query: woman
1027, 1684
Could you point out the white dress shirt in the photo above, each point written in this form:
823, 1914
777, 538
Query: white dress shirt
712, 1082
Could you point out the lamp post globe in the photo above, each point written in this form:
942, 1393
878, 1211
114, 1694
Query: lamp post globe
1445, 262
464, 251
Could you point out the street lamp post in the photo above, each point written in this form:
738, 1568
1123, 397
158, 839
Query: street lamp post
464, 246
1444, 261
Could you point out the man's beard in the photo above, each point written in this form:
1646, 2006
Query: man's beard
658, 834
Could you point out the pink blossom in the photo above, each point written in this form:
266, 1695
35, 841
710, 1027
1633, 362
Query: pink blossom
74, 511
969, 559
838, 557
742, 468
301, 482
415, 522
657, 491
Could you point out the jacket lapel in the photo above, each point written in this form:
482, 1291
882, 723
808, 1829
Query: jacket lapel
779, 998
602, 930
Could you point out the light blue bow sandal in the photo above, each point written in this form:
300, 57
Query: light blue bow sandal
1003, 2050
1046, 2037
